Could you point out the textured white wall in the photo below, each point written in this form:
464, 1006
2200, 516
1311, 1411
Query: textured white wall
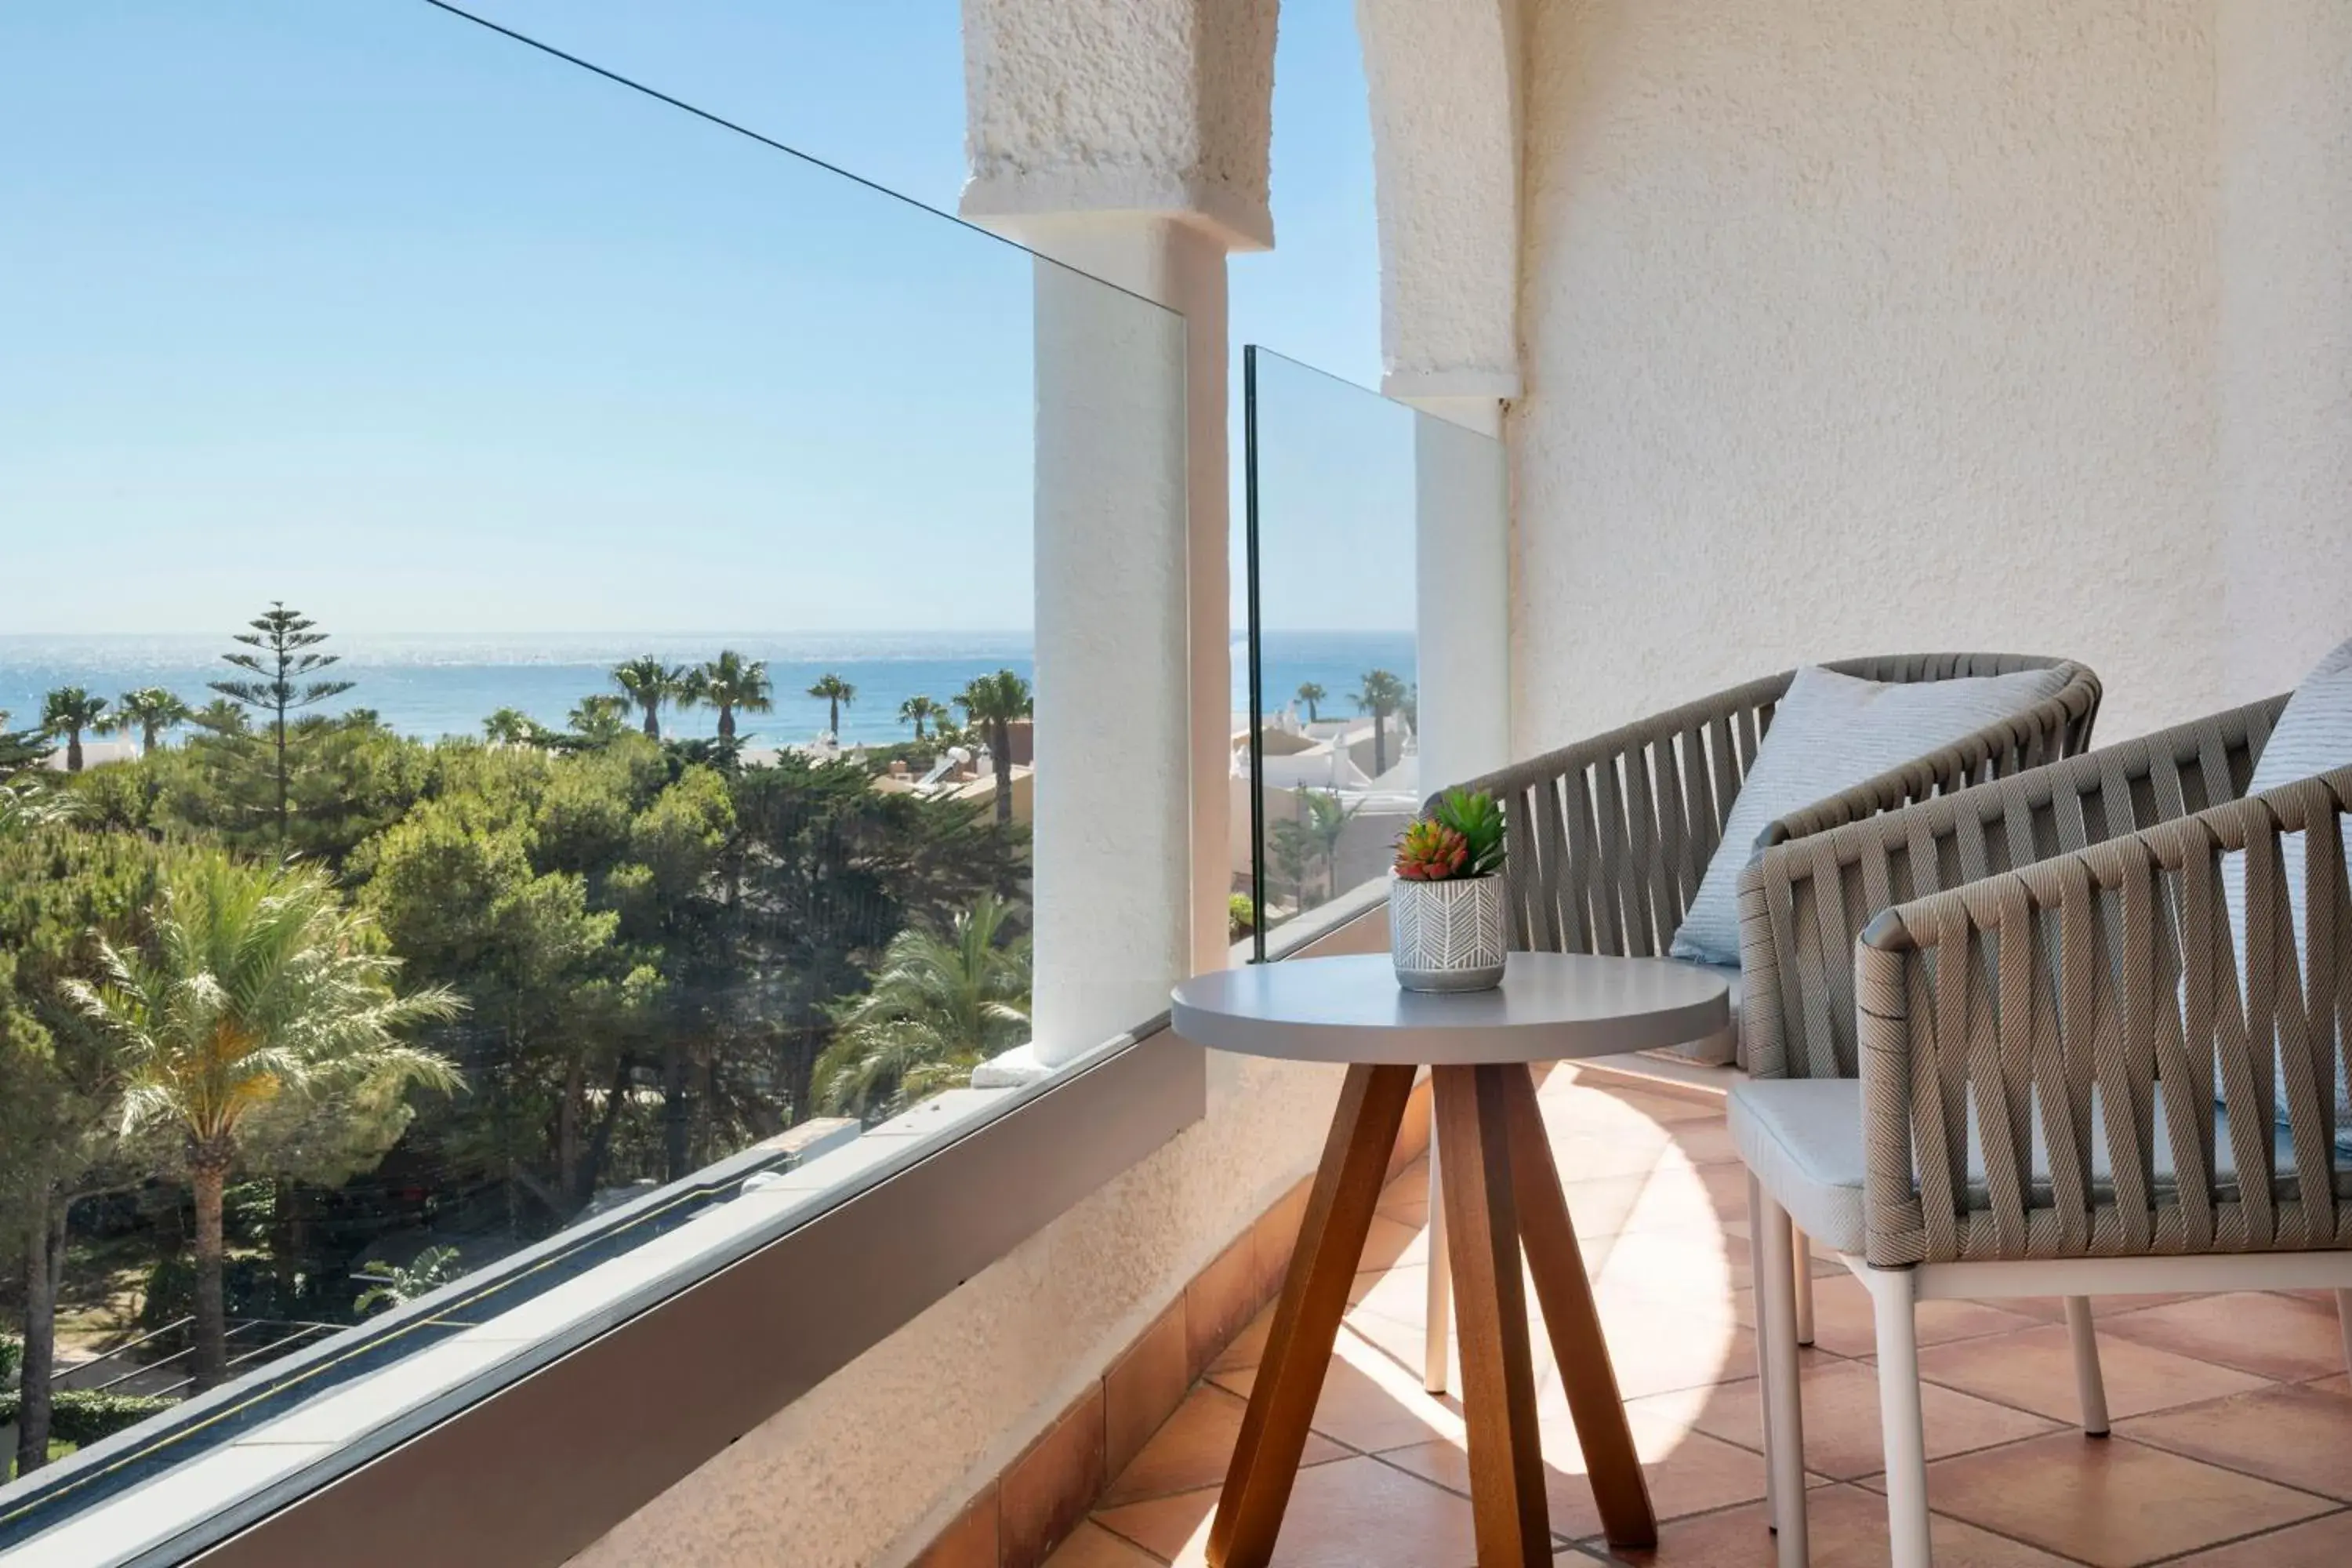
865, 1467
2287, 334
1859, 326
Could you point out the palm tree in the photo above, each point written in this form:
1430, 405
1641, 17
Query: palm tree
939, 1005
393, 1286
836, 694
1322, 821
220, 717
990, 703
1311, 694
257, 983
916, 711
649, 683
510, 727
599, 717
150, 712
68, 712
728, 683
1380, 694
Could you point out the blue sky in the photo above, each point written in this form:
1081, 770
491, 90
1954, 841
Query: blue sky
363, 306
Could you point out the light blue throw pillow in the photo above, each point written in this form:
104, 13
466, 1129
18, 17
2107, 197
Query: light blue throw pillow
2314, 736
1831, 733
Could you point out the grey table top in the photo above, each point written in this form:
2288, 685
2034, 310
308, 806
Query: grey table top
1550, 1006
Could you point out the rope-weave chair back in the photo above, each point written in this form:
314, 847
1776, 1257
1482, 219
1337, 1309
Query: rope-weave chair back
1804, 901
2042, 1049
1610, 837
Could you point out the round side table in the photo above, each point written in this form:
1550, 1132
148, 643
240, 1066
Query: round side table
1501, 1194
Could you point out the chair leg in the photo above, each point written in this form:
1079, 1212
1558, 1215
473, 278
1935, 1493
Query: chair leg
2089, 1384
1803, 1248
1763, 1363
1895, 1309
1776, 1315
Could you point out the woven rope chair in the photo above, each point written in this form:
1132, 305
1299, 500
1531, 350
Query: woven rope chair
2007, 1086
1610, 836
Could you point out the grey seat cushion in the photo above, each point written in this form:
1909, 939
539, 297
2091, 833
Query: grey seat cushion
1802, 1140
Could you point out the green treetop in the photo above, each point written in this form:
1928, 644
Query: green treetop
732, 684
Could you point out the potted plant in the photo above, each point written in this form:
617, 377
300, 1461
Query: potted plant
1446, 930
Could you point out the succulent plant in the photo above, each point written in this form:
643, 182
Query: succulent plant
1431, 852
1460, 837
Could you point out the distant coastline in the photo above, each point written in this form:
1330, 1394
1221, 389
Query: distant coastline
429, 685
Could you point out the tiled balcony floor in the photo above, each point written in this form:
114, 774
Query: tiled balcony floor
2232, 1444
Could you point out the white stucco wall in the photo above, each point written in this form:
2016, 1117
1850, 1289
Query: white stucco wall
1859, 326
2286, 103
862, 1471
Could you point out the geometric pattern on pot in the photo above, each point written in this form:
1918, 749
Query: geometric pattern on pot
1448, 935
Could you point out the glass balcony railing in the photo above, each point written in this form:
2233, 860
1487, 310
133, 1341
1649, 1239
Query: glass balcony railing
1337, 483
517, 784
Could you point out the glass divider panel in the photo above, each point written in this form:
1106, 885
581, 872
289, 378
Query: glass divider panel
575, 567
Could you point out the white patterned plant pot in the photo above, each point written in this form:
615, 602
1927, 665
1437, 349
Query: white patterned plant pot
1447, 936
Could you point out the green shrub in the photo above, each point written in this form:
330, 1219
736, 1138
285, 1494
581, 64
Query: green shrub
12, 1356
83, 1416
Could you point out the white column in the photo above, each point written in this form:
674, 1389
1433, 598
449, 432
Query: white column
1114, 819
1128, 141
2285, 104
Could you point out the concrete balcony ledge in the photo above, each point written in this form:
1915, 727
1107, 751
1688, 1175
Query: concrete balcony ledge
258, 1467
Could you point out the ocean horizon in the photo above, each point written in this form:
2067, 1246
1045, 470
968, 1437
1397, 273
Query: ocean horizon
432, 685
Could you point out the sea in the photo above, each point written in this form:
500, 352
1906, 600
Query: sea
447, 684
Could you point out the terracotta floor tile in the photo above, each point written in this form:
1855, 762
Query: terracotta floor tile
1843, 1323
1355, 1513
1601, 1206
2270, 1336
1247, 1346
1680, 1195
1706, 1142
2109, 1502
1368, 1402
2296, 1436
1688, 1472
2033, 1369
1585, 1156
1400, 1294
1661, 1351
2322, 1544
1402, 1343
1847, 1529
1143, 1388
1391, 1240
1193, 1448
1841, 1430
1092, 1546
1678, 1265
2052, 1308
2339, 1383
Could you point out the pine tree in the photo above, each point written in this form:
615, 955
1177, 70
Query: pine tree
284, 682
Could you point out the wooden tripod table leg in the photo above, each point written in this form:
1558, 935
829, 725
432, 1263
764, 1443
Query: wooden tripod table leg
1307, 1318
1556, 1264
1499, 1389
